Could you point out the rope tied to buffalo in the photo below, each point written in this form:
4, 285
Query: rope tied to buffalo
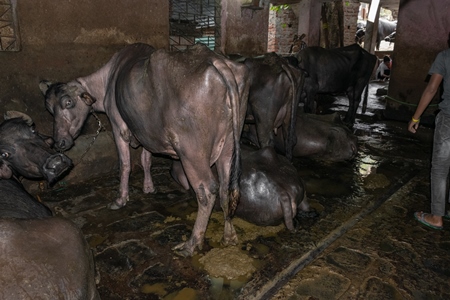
405, 103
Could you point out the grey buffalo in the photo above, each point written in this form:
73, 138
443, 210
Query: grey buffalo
42, 257
386, 31
271, 189
188, 105
322, 137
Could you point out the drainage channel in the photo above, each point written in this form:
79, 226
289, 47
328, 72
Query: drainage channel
271, 287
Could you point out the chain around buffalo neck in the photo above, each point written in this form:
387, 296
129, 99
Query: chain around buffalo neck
100, 127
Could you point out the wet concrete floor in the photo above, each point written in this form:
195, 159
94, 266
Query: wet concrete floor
363, 243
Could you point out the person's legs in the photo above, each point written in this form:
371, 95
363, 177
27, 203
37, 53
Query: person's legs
440, 164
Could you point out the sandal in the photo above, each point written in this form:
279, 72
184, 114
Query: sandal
420, 216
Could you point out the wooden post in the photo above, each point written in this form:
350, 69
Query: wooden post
372, 27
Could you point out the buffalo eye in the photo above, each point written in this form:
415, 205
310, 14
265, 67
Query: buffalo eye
67, 102
5, 154
33, 129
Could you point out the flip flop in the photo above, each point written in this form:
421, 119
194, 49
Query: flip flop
420, 216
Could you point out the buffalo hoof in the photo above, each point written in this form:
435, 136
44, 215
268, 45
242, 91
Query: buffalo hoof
116, 204
230, 237
185, 249
229, 242
148, 190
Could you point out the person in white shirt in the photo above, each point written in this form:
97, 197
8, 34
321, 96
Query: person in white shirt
384, 69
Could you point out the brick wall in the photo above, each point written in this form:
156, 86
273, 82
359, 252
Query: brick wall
283, 25
351, 10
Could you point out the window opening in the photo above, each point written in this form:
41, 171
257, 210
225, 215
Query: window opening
193, 21
9, 29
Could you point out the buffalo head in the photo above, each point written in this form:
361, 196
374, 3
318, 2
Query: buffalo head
70, 104
342, 144
25, 152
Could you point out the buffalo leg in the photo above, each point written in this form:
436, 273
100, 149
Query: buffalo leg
206, 189
229, 234
177, 173
125, 168
310, 105
289, 211
353, 103
146, 161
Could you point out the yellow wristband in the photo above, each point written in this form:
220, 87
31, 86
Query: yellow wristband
415, 120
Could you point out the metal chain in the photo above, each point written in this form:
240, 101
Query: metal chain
100, 127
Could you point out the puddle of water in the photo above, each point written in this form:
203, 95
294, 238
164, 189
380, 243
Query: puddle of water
158, 289
184, 294
367, 165
327, 187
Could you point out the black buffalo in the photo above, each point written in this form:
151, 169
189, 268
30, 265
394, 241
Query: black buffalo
321, 137
271, 189
273, 100
42, 257
189, 105
340, 70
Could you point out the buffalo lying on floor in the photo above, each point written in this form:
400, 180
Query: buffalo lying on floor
42, 257
340, 70
273, 98
271, 189
322, 137
189, 105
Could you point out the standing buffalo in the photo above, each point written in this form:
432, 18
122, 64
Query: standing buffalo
391, 38
188, 105
42, 257
271, 189
273, 98
319, 137
385, 30
340, 70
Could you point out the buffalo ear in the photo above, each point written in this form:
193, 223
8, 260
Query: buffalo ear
44, 85
88, 99
11, 114
5, 172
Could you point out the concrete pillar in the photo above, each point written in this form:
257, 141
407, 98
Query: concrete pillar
309, 21
422, 32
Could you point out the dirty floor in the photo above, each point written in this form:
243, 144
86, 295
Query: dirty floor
363, 243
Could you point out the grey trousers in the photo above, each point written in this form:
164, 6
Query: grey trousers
440, 164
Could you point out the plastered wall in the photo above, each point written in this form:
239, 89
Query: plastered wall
65, 39
422, 32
